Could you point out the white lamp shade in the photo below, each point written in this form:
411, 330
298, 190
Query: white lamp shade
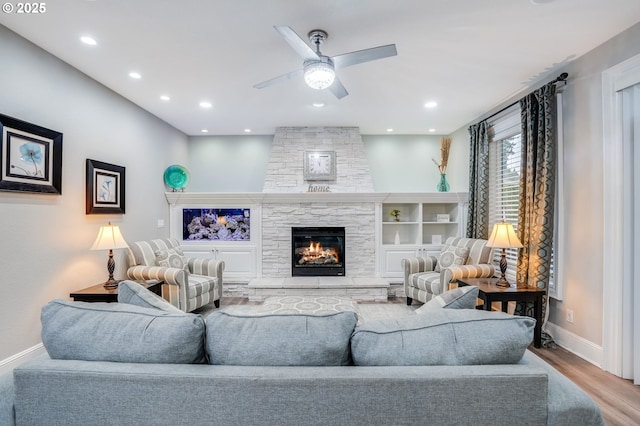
319, 75
109, 237
504, 236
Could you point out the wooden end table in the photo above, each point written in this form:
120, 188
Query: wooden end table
98, 293
489, 292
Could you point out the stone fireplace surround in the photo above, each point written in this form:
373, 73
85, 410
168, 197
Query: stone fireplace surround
276, 214
286, 202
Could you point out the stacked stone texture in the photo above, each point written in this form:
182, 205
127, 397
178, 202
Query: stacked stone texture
357, 219
285, 175
285, 172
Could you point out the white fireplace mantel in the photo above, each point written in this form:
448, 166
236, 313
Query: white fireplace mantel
206, 198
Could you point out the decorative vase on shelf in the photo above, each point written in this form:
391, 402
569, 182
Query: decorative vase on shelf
443, 185
396, 240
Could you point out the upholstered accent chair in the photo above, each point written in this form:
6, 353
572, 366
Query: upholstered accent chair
427, 277
189, 282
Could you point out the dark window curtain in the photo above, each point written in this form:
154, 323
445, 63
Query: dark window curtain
537, 190
478, 215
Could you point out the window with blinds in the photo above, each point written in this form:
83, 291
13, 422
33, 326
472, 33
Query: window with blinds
504, 177
504, 188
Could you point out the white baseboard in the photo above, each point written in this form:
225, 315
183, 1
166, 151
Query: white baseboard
13, 361
580, 346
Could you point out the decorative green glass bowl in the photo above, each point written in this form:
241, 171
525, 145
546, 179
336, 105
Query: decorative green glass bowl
176, 177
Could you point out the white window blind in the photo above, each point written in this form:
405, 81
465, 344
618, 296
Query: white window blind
556, 274
504, 176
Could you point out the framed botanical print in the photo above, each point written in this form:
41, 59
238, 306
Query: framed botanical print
30, 157
105, 188
319, 165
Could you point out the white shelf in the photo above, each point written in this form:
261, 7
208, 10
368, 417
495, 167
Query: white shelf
417, 226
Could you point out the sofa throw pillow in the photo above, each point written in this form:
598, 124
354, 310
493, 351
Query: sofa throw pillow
171, 258
444, 337
120, 332
451, 255
279, 340
135, 294
457, 298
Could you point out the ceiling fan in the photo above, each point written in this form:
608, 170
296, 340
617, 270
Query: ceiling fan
318, 69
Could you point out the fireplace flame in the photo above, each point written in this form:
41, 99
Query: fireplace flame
316, 254
315, 249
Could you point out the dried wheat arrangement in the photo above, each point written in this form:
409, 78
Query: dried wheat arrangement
445, 146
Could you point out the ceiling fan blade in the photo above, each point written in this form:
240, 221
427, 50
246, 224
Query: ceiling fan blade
366, 55
279, 79
338, 89
294, 40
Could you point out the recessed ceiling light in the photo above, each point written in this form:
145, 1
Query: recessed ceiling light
389, 130
135, 75
432, 130
204, 131
205, 104
88, 40
247, 130
165, 98
318, 104
431, 104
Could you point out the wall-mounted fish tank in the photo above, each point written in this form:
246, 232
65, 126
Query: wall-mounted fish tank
216, 224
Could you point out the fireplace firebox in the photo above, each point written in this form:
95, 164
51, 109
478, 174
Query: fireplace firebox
317, 251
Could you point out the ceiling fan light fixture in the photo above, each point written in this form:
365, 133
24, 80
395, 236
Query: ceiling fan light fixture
319, 74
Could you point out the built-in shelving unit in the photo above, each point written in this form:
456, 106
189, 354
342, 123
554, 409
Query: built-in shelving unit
424, 224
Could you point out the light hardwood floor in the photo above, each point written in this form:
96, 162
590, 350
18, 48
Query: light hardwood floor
618, 399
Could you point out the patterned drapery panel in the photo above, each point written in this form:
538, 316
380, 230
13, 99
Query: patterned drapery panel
478, 216
537, 190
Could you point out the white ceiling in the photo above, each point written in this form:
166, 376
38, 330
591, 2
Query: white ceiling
467, 55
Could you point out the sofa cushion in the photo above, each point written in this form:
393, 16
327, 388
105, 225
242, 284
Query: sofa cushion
279, 340
457, 298
451, 255
121, 332
135, 294
444, 337
171, 258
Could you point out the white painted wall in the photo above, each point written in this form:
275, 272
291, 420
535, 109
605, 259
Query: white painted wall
45, 239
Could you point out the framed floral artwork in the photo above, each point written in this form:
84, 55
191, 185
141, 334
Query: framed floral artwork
30, 157
105, 188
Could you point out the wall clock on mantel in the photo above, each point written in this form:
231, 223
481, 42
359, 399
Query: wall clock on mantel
319, 165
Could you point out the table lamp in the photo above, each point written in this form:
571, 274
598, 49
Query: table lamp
109, 238
503, 236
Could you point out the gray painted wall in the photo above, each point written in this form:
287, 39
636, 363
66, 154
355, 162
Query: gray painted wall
45, 239
583, 180
398, 163
584, 147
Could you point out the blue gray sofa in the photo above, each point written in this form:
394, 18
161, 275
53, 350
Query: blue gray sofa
122, 364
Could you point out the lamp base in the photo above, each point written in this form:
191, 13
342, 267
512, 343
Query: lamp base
111, 284
502, 282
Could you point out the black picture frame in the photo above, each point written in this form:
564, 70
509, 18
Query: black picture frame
30, 157
105, 188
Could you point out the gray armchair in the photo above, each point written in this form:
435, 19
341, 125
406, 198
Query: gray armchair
189, 282
423, 281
